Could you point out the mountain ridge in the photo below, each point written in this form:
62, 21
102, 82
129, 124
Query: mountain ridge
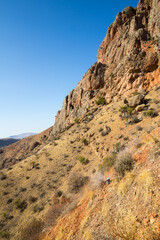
23, 135
127, 61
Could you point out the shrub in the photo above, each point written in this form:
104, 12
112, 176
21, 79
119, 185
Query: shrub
100, 101
108, 162
18, 204
32, 199
76, 181
84, 141
128, 110
32, 230
124, 164
83, 160
33, 163
151, 113
76, 120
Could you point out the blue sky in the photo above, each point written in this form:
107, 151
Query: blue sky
46, 46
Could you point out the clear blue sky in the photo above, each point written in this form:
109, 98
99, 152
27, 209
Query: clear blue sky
46, 46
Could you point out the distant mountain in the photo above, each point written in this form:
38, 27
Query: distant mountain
23, 135
7, 141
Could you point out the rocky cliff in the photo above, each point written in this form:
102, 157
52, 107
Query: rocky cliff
127, 61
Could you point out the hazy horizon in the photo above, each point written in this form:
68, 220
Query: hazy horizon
45, 49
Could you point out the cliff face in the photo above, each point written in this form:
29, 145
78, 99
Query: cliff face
127, 61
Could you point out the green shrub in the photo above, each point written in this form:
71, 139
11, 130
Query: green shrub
83, 160
108, 162
76, 120
33, 163
100, 101
4, 214
127, 110
84, 141
151, 113
124, 164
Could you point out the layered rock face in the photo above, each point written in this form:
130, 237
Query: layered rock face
127, 61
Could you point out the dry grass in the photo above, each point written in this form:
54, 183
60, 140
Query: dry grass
125, 184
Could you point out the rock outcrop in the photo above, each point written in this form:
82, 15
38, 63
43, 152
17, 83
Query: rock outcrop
127, 61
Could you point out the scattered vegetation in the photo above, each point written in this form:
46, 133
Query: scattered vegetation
100, 101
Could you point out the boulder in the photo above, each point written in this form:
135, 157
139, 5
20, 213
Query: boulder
136, 100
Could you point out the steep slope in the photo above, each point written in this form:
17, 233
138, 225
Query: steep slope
109, 127
65, 178
127, 61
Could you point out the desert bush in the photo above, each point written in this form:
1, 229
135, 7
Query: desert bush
127, 110
100, 101
76, 181
108, 162
32, 199
18, 204
151, 113
124, 163
76, 120
84, 141
32, 230
83, 160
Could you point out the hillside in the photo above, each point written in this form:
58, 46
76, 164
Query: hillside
7, 141
96, 174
